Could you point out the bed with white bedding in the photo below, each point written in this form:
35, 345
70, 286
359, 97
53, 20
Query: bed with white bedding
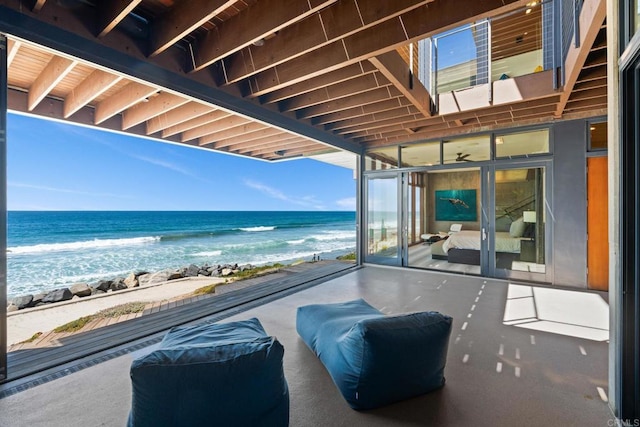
470, 239
463, 247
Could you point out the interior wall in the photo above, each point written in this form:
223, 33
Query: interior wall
569, 203
465, 180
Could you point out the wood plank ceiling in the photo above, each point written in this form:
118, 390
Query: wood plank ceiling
336, 67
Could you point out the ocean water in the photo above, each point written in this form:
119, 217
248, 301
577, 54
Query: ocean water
47, 250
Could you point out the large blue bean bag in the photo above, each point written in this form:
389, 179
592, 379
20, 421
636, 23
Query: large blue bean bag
374, 359
227, 374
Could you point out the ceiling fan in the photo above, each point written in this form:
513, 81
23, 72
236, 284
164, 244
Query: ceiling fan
463, 157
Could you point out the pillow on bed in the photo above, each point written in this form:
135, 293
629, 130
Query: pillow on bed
517, 228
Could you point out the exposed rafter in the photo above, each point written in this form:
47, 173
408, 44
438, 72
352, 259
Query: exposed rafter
194, 123
112, 12
591, 19
393, 67
181, 20
93, 86
128, 96
54, 72
251, 25
176, 116
384, 37
156, 105
333, 23
12, 50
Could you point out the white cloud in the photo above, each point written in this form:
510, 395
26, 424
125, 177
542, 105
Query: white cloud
306, 201
347, 203
66, 190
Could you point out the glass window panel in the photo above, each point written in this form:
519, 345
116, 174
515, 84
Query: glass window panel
421, 154
461, 57
474, 149
517, 43
522, 144
382, 159
382, 218
636, 19
598, 136
520, 220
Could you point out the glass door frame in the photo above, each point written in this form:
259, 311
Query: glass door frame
401, 240
488, 226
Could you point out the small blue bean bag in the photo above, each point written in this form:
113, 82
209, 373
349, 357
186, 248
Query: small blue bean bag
374, 359
228, 374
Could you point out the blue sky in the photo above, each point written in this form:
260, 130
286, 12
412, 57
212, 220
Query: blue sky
56, 166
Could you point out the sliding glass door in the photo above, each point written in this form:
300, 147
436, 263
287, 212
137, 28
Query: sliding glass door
382, 219
516, 222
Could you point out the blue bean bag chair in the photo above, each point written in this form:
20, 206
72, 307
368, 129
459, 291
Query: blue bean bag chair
226, 374
374, 359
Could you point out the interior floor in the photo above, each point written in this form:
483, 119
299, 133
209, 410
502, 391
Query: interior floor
516, 357
420, 256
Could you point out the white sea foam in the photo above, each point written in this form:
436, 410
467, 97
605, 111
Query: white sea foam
259, 228
208, 253
335, 235
296, 242
88, 244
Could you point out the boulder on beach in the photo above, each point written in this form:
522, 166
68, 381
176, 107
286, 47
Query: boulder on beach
152, 278
12, 307
131, 281
192, 271
80, 289
102, 285
117, 285
58, 295
23, 301
173, 275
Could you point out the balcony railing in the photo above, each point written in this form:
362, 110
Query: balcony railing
530, 40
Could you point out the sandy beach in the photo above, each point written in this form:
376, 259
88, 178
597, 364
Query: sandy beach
23, 324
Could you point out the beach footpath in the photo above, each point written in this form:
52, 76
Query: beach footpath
23, 324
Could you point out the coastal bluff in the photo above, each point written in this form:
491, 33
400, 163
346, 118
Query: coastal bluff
133, 280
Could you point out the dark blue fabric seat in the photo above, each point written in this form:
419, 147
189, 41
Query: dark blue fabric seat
228, 374
374, 359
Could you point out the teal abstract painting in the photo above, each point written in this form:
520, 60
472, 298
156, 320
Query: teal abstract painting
456, 205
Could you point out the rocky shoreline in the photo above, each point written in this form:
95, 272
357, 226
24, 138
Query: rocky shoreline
133, 280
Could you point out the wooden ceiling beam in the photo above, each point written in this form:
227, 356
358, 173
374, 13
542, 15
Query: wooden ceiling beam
182, 20
156, 105
263, 146
251, 25
243, 129
112, 12
12, 50
195, 122
351, 87
210, 127
337, 21
37, 5
370, 118
383, 37
265, 141
408, 120
350, 72
289, 148
592, 16
176, 116
126, 97
368, 97
393, 67
361, 110
89, 89
246, 138
56, 70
